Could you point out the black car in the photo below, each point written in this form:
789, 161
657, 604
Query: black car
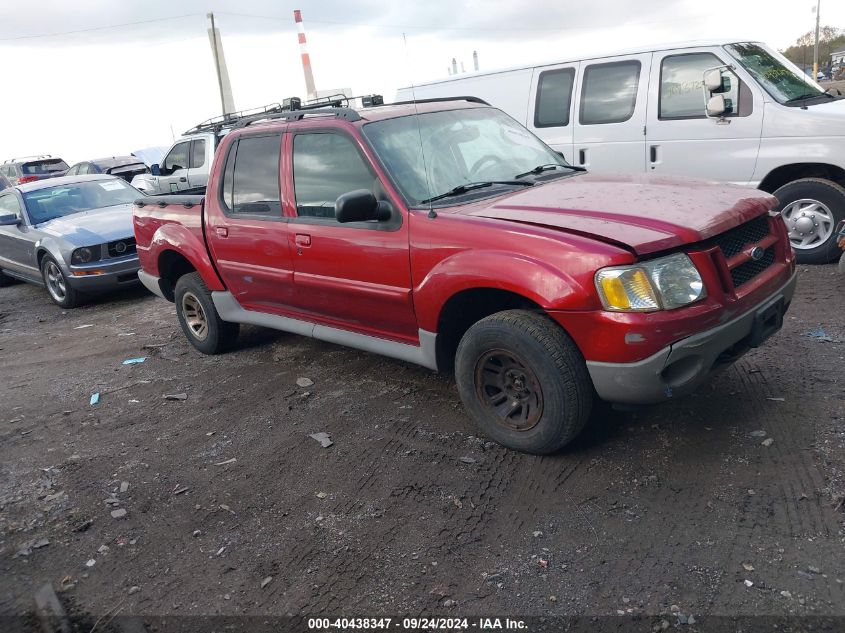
126, 167
31, 168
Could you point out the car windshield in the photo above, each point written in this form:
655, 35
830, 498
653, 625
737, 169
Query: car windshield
432, 153
38, 167
783, 81
50, 203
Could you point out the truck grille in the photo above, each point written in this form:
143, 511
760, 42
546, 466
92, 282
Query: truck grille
737, 240
121, 248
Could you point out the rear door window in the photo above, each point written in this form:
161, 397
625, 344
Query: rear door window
609, 92
554, 98
251, 177
198, 153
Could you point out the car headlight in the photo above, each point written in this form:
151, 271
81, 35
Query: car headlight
659, 284
85, 255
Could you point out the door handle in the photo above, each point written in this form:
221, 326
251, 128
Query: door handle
183, 179
582, 157
653, 155
222, 231
302, 240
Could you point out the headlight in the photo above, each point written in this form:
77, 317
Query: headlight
85, 255
660, 284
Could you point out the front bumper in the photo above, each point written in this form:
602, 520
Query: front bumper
680, 368
105, 275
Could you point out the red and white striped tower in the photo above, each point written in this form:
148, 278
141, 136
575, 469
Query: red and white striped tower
306, 59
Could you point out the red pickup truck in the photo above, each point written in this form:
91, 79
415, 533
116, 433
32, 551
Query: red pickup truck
445, 234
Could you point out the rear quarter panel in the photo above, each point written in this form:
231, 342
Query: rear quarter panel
173, 227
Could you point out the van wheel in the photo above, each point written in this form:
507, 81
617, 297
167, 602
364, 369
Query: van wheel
199, 319
524, 381
812, 208
60, 291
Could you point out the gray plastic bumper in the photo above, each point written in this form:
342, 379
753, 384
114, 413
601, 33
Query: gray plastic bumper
680, 368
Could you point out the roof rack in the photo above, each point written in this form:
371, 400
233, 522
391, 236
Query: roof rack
336, 106
23, 158
441, 99
218, 123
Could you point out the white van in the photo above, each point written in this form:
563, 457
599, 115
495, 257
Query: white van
735, 112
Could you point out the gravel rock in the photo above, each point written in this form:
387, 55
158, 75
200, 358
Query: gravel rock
119, 513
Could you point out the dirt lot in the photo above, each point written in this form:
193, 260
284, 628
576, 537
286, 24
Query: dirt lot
678, 508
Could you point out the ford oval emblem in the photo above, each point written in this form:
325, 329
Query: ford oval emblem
120, 247
757, 253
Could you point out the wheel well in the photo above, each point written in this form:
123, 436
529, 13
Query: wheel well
467, 307
40, 257
785, 174
171, 266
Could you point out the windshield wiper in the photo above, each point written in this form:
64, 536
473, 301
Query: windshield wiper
539, 169
471, 186
810, 96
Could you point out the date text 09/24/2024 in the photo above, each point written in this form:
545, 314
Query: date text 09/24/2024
413, 624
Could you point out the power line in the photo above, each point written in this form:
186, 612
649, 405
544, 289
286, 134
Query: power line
97, 28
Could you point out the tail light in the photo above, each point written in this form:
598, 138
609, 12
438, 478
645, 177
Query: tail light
25, 179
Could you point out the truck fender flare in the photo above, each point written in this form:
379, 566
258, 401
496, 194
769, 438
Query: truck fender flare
177, 238
538, 281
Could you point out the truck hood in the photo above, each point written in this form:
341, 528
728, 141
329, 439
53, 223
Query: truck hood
643, 213
90, 228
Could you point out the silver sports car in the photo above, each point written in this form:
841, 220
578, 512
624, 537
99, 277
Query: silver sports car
71, 234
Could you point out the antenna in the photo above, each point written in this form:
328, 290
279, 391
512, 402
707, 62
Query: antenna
431, 212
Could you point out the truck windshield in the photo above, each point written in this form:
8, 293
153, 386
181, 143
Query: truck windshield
50, 203
435, 152
779, 78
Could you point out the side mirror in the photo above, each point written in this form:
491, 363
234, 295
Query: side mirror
716, 106
713, 79
155, 169
9, 220
360, 206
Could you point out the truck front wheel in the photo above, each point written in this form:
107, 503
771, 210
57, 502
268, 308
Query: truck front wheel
199, 319
811, 208
524, 381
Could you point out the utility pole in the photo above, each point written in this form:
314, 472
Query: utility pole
816, 49
217, 61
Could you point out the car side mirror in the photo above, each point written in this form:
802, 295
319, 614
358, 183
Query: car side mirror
716, 106
361, 206
713, 79
155, 169
9, 220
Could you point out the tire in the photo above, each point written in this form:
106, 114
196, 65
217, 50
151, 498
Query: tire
516, 356
199, 319
60, 291
815, 200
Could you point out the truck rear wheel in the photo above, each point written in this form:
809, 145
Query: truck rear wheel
812, 208
199, 319
524, 381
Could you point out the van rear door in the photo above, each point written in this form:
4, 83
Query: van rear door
680, 139
610, 117
550, 115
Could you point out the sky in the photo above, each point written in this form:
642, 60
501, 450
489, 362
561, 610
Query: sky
94, 78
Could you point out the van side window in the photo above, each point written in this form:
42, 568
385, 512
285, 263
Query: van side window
554, 97
609, 92
681, 93
251, 176
325, 166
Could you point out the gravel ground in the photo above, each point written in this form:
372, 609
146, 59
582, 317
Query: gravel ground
726, 503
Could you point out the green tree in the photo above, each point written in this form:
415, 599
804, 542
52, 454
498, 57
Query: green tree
830, 39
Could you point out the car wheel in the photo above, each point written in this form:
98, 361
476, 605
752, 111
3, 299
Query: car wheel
811, 208
60, 291
524, 381
199, 318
